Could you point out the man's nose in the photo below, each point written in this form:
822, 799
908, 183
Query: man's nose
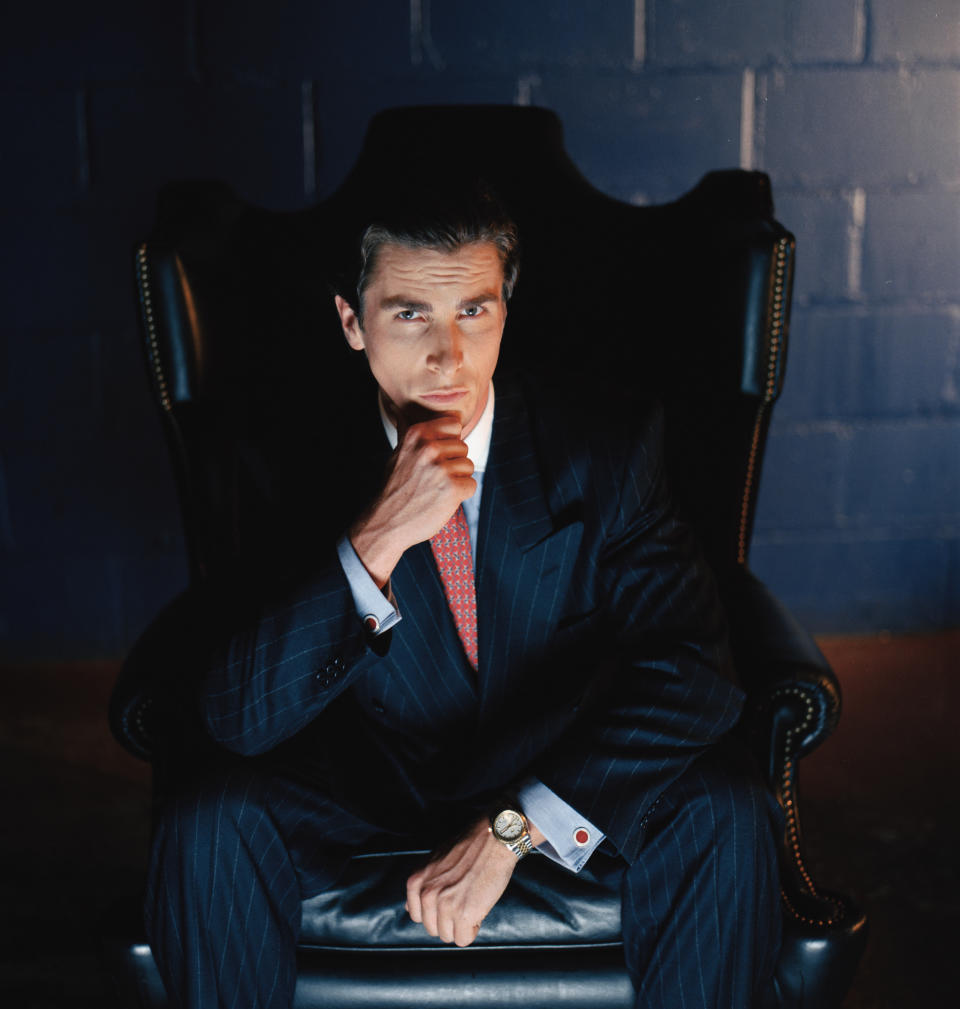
446, 354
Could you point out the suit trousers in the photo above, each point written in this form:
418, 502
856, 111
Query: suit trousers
234, 856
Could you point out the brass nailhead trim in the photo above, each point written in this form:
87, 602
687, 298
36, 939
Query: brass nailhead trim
775, 313
748, 485
775, 303
141, 712
146, 304
790, 810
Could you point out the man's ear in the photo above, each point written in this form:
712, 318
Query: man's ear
352, 329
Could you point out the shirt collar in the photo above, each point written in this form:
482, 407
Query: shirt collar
478, 440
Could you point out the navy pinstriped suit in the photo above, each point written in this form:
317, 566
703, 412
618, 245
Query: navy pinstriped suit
602, 671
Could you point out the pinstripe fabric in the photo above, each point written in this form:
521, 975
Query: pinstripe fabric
597, 594
231, 861
601, 657
701, 905
233, 857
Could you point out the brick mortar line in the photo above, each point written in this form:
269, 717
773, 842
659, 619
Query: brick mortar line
890, 308
829, 534
892, 66
791, 191
621, 68
843, 428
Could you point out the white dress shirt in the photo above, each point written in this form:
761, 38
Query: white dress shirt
570, 839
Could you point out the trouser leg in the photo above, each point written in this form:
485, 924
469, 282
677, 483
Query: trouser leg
701, 904
232, 859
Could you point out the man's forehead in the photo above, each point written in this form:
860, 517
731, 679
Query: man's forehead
474, 264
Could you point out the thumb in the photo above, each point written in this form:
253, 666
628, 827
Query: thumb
412, 413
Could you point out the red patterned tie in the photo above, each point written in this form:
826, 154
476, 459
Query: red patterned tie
451, 550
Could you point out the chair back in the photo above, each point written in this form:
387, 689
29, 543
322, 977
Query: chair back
687, 301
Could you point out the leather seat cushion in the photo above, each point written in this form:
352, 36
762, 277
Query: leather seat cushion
544, 905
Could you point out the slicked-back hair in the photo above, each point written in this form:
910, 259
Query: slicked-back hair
445, 223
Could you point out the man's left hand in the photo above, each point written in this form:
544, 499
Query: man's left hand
454, 892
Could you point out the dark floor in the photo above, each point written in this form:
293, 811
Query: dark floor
881, 806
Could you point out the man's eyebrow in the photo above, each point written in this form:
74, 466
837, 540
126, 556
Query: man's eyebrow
480, 299
402, 301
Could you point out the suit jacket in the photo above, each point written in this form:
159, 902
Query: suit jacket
602, 661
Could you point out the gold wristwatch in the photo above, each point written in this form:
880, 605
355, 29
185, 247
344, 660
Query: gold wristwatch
510, 827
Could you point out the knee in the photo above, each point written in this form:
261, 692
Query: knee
726, 795
198, 819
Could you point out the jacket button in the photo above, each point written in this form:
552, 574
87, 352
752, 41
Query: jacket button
323, 680
378, 707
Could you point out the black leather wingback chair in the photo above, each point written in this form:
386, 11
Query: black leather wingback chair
691, 300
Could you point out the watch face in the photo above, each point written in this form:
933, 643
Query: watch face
508, 825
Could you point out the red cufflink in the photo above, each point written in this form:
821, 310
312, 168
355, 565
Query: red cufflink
581, 836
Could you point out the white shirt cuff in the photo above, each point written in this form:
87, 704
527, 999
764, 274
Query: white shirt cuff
570, 839
377, 613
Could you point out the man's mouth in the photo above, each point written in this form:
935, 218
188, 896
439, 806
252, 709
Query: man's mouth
444, 395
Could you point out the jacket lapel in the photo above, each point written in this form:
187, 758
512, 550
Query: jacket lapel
430, 637
524, 558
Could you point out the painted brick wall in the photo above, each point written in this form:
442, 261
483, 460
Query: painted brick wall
852, 106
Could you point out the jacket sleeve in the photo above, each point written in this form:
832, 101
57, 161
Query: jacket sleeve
668, 691
278, 666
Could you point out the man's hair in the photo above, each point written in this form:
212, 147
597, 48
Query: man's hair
444, 222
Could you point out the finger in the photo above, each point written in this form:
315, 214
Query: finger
420, 443
458, 465
414, 906
466, 931
421, 423
446, 449
466, 487
445, 925
428, 910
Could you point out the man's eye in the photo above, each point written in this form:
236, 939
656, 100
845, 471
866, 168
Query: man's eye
407, 314
472, 311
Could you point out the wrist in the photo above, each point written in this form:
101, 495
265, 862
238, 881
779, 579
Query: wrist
536, 835
375, 548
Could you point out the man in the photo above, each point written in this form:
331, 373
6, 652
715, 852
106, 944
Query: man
510, 645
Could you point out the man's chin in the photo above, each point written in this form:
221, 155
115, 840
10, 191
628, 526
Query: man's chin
415, 413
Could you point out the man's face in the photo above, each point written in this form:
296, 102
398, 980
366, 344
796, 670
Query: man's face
432, 324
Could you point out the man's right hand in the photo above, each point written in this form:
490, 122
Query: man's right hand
429, 475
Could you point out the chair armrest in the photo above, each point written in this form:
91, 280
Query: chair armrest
785, 675
153, 700
793, 704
